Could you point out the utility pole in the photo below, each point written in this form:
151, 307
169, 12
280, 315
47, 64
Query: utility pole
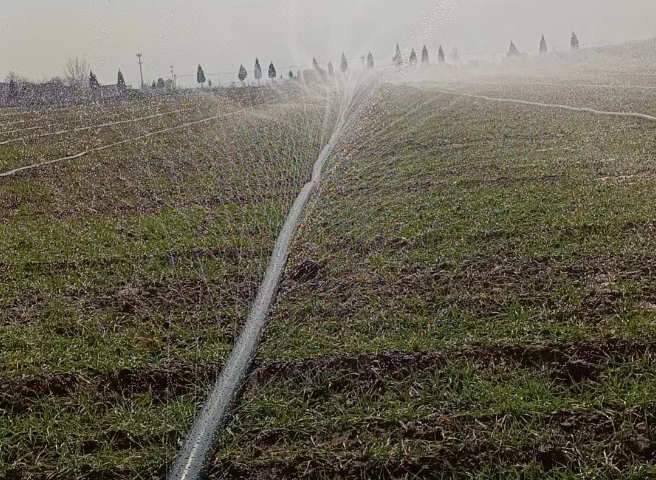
140, 69
173, 76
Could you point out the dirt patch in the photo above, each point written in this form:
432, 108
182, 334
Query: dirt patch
17, 395
569, 363
307, 271
467, 444
180, 296
162, 383
576, 361
54, 268
136, 303
590, 426
489, 286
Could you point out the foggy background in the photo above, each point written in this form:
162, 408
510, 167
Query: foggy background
37, 37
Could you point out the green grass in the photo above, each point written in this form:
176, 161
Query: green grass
471, 294
465, 227
136, 262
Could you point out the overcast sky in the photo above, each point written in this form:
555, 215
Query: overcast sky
37, 36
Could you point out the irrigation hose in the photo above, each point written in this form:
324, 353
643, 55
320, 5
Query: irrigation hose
196, 454
570, 108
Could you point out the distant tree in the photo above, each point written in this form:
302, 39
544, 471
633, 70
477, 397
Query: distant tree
398, 58
154, 85
258, 71
413, 57
93, 81
331, 69
543, 46
575, 41
272, 71
424, 56
440, 56
13, 88
120, 84
513, 52
242, 74
209, 83
344, 65
161, 84
370, 60
200, 76
291, 75
17, 79
168, 84
317, 68
76, 71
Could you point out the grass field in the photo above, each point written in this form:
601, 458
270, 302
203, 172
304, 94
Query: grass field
471, 295
126, 273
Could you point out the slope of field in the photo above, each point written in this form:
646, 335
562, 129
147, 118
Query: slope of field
472, 295
125, 274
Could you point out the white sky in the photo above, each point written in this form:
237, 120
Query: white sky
37, 36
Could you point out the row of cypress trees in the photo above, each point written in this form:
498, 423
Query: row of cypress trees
243, 74
544, 49
272, 73
398, 58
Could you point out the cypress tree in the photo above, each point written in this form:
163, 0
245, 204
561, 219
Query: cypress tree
209, 83
331, 69
291, 75
121, 82
575, 41
543, 46
513, 52
242, 74
398, 58
200, 76
93, 81
370, 61
344, 65
413, 57
272, 71
317, 68
424, 56
154, 85
258, 71
440, 56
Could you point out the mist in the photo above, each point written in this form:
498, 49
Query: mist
38, 37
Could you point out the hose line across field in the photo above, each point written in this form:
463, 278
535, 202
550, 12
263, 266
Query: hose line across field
195, 455
116, 144
593, 111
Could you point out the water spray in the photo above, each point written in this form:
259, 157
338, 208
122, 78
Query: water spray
195, 456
